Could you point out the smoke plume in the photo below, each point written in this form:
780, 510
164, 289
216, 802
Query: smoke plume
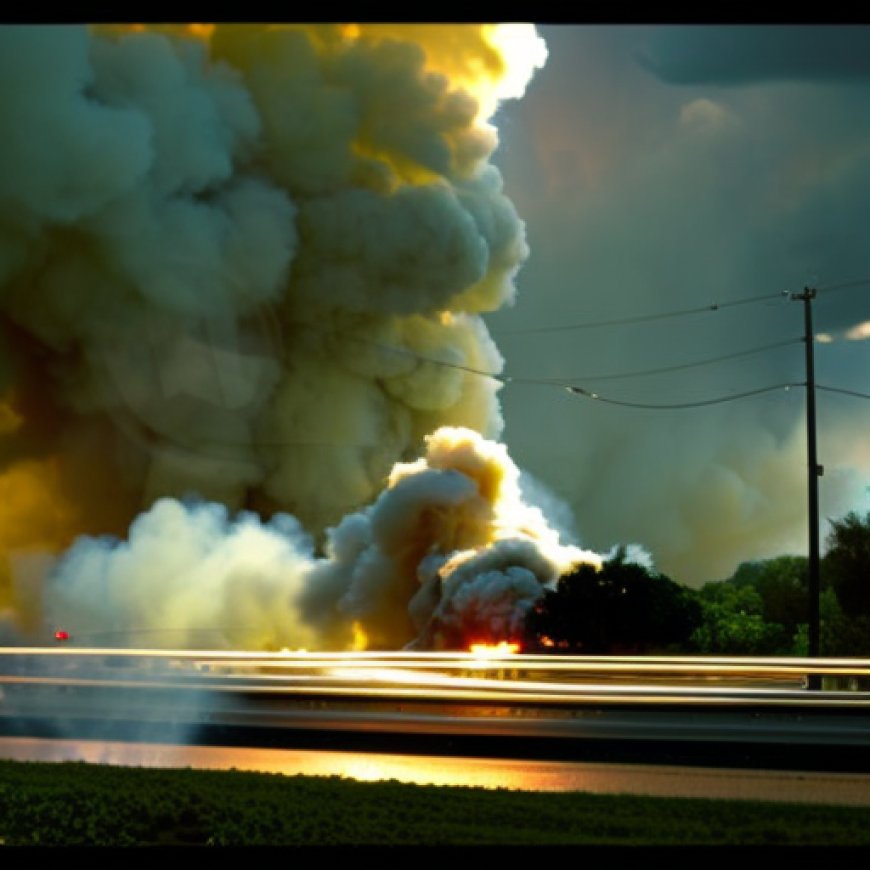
446, 552
242, 273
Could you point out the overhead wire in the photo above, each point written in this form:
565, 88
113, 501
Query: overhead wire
846, 285
675, 368
679, 405
644, 318
566, 382
595, 396
845, 392
683, 312
404, 351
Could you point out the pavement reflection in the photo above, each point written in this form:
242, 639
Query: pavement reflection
694, 782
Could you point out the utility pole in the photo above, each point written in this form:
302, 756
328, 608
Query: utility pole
814, 472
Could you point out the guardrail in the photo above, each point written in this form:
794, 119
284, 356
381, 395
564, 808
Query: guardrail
700, 710
557, 678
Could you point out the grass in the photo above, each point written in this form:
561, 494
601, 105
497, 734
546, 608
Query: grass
79, 804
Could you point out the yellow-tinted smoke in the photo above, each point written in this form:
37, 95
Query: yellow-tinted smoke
246, 264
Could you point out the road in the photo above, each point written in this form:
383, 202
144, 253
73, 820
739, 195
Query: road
737, 713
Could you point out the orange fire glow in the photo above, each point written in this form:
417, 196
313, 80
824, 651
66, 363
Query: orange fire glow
494, 650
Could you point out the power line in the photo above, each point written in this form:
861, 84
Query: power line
644, 318
675, 368
846, 285
845, 392
684, 312
668, 407
566, 381
729, 398
404, 351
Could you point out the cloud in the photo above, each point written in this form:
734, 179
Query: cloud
675, 199
733, 55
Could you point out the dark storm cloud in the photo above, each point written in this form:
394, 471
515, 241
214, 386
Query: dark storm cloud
736, 55
641, 197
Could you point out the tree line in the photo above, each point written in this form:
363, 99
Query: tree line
626, 608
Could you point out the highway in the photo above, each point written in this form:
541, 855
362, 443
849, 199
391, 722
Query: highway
726, 712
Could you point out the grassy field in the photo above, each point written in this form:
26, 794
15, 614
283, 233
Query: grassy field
78, 804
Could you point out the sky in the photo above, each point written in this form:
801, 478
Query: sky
667, 168
288, 315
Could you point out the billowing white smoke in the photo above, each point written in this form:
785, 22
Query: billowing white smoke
188, 575
446, 555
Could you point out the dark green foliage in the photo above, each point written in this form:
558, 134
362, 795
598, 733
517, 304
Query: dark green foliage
733, 623
621, 608
846, 564
763, 608
79, 804
782, 584
841, 635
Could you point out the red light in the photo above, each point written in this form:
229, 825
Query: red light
61, 635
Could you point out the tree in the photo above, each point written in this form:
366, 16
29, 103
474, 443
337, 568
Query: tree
732, 622
782, 583
841, 635
846, 563
620, 608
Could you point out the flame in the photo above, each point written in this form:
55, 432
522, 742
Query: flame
494, 650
